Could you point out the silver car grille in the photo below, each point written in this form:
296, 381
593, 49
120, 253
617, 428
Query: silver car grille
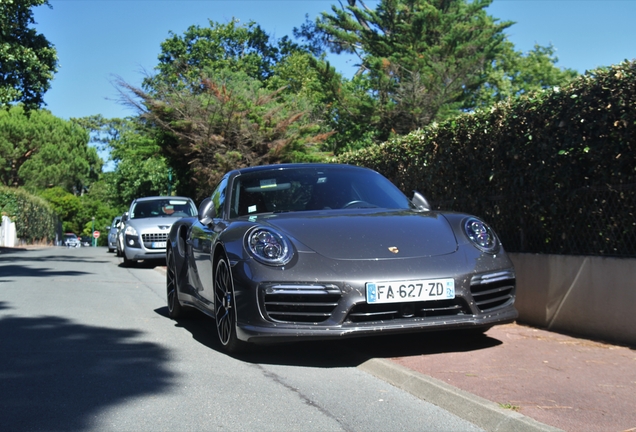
150, 238
493, 290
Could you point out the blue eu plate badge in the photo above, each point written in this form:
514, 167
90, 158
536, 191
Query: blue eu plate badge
372, 295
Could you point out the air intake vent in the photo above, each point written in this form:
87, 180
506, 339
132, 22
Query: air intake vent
364, 312
493, 290
300, 303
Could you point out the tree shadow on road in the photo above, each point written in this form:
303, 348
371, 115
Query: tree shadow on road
29, 264
58, 375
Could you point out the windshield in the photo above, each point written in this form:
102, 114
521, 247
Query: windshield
163, 208
311, 188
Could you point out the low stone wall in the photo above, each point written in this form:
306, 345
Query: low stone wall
589, 296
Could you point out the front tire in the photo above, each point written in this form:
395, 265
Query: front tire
225, 308
175, 310
128, 262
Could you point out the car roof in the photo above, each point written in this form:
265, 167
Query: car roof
295, 166
153, 198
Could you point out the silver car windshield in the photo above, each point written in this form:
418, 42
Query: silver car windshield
162, 208
301, 189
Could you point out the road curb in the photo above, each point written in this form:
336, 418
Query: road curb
479, 411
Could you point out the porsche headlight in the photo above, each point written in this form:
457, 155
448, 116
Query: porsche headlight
481, 235
269, 247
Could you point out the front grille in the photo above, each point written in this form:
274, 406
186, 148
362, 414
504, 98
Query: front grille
151, 238
364, 312
299, 303
493, 290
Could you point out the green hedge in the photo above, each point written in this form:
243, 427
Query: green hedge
34, 218
555, 172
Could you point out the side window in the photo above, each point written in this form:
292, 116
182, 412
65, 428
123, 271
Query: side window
218, 197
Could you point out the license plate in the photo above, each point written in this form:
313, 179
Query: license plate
410, 291
158, 245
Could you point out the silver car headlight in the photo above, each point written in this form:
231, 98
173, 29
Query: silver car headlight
481, 235
269, 247
131, 231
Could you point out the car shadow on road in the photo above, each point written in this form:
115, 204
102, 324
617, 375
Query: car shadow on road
348, 352
57, 374
148, 264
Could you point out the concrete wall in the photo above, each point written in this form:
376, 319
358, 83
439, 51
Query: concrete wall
593, 297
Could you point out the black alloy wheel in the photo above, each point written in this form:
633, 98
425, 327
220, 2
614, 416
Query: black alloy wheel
224, 308
175, 310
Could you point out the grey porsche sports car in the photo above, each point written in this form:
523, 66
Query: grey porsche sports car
300, 251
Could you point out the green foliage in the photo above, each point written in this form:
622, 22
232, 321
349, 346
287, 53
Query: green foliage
66, 205
40, 150
245, 48
35, 220
513, 74
27, 60
420, 61
92, 207
135, 177
229, 122
140, 169
344, 106
422, 57
77, 213
530, 164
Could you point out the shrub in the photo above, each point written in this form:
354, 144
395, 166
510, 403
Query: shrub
555, 171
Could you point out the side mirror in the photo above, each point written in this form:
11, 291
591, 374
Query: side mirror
124, 217
420, 202
207, 212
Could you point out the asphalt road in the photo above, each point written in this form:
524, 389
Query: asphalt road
86, 344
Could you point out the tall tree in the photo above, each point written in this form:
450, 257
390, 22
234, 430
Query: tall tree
214, 106
140, 169
28, 60
246, 48
40, 150
229, 121
514, 73
345, 106
66, 205
421, 57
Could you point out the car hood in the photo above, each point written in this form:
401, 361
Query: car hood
370, 234
161, 223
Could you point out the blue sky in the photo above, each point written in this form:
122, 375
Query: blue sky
97, 40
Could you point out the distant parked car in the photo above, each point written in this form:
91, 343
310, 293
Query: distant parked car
112, 234
86, 241
145, 226
71, 240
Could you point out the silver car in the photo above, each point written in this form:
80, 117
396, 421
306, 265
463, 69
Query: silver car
112, 234
144, 229
71, 240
